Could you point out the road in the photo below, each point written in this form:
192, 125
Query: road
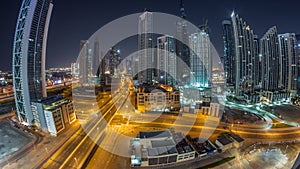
76, 151
81, 150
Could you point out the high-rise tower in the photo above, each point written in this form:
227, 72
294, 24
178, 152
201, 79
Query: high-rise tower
244, 55
200, 59
270, 60
288, 62
166, 60
29, 54
298, 51
229, 52
145, 52
182, 41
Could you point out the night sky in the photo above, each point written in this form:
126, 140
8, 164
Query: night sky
73, 20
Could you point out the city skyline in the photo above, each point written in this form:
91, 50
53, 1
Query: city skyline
174, 85
63, 43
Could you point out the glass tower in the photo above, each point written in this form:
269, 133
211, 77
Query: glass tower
200, 60
145, 53
229, 52
29, 56
288, 62
244, 55
270, 60
166, 60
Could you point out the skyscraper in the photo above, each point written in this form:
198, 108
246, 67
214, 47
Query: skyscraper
114, 60
182, 41
288, 62
270, 60
200, 58
166, 60
298, 51
229, 52
257, 72
83, 62
145, 52
244, 46
29, 54
96, 57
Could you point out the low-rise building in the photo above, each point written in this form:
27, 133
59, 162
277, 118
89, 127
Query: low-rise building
185, 150
277, 96
157, 98
224, 143
203, 147
237, 140
52, 114
160, 147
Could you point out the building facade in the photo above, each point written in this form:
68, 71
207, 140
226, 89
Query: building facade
182, 49
29, 54
229, 53
270, 60
114, 61
298, 51
200, 59
145, 52
288, 62
244, 55
53, 114
156, 98
166, 60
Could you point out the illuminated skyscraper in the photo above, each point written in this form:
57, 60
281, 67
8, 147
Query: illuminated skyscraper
270, 60
114, 60
288, 62
182, 41
244, 55
298, 51
229, 52
166, 60
200, 59
29, 54
257, 73
83, 62
145, 53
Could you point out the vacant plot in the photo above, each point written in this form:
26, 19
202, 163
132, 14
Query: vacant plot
11, 140
287, 112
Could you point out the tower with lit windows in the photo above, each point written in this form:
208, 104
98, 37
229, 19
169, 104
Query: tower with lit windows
29, 54
145, 52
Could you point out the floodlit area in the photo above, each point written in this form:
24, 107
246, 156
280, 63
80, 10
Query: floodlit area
11, 140
265, 156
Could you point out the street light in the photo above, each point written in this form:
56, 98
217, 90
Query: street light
76, 161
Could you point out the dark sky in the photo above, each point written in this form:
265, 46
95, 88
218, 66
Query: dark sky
73, 20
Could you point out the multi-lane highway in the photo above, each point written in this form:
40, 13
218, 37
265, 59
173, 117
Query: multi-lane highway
79, 148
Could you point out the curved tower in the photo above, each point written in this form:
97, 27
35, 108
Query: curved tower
29, 56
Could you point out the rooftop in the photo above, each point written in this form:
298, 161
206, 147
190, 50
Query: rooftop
155, 134
224, 140
202, 145
52, 102
236, 137
182, 146
162, 143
